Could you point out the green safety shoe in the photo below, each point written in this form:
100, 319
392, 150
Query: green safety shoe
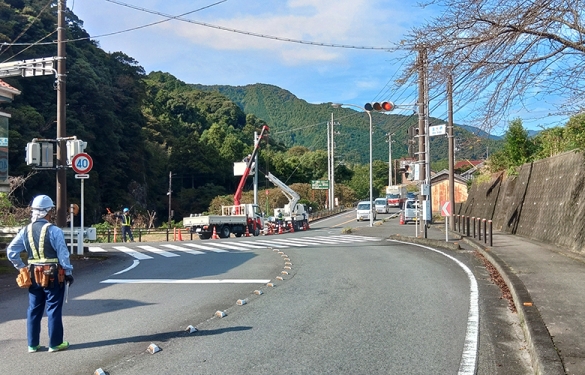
64, 345
33, 349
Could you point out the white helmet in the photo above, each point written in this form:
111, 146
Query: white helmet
42, 202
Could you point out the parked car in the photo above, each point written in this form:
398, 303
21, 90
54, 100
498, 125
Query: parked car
381, 205
364, 210
411, 208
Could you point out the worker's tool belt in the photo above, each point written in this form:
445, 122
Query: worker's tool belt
23, 280
46, 274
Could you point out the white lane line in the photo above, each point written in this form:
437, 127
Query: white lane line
245, 244
95, 249
183, 249
470, 346
135, 263
272, 244
158, 251
318, 240
134, 253
188, 281
225, 245
203, 247
288, 242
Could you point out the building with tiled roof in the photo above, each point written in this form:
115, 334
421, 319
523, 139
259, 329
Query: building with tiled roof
7, 94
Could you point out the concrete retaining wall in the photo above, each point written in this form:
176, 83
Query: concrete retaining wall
545, 201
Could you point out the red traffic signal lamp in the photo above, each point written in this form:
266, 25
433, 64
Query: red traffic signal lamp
381, 107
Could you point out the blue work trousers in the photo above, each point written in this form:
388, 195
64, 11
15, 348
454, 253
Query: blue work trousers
127, 231
52, 298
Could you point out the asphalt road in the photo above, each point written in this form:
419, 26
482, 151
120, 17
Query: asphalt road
348, 304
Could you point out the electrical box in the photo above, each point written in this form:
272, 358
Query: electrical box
74, 147
47, 154
33, 153
427, 210
425, 190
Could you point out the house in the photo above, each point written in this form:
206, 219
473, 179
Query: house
440, 189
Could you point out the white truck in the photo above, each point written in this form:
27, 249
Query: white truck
294, 213
233, 219
396, 195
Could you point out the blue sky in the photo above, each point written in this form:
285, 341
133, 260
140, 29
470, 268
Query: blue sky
195, 53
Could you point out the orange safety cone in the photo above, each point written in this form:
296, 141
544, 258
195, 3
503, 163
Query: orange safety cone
292, 228
214, 236
269, 232
401, 219
247, 232
280, 229
180, 234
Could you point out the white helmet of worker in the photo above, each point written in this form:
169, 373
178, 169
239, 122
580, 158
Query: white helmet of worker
42, 202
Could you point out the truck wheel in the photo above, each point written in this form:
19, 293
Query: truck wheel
205, 236
224, 232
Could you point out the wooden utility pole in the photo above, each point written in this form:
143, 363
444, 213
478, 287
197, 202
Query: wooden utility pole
451, 150
61, 204
421, 113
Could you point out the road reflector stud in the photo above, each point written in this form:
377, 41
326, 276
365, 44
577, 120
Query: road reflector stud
270, 285
287, 259
153, 348
241, 302
99, 371
191, 329
287, 267
288, 263
220, 314
284, 255
527, 303
281, 252
279, 278
273, 249
258, 292
284, 273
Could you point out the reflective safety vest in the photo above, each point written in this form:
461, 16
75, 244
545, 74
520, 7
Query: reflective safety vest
38, 246
126, 220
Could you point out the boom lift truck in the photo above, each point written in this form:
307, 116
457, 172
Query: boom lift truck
233, 219
294, 214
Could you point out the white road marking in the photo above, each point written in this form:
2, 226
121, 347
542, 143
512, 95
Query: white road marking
189, 281
246, 244
134, 253
158, 251
183, 249
225, 245
203, 247
94, 249
273, 244
134, 264
290, 242
470, 346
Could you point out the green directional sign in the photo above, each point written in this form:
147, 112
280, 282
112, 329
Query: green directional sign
319, 184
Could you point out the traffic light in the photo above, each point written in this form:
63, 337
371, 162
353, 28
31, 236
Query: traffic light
379, 106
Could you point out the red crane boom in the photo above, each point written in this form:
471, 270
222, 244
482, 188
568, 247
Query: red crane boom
238, 194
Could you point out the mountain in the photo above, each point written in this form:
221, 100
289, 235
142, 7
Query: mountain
294, 121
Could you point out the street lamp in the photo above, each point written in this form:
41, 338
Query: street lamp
339, 105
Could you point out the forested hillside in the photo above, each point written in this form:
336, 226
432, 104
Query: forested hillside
145, 131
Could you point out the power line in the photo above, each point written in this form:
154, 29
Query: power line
249, 33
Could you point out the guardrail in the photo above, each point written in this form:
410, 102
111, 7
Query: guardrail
482, 228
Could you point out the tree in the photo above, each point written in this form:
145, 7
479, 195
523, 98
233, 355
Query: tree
518, 148
502, 52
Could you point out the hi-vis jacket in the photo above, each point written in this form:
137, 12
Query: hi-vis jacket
43, 242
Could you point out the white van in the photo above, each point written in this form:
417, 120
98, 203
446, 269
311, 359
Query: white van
381, 205
411, 210
364, 210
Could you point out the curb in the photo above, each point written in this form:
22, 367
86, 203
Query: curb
543, 353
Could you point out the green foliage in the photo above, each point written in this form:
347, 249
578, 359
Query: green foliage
518, 149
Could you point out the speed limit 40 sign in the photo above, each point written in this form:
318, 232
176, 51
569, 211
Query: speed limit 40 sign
82, 163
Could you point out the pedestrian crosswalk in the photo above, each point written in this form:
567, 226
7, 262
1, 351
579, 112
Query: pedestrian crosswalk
170, 250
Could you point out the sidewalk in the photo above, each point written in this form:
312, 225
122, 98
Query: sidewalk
548, 288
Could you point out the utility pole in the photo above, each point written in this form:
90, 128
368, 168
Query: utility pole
169, 194
390, 158
256, 140
422, 111
329, 163
61, 216
332, 195
451, 150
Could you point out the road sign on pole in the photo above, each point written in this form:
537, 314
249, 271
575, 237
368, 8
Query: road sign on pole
82, 163
446, 208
